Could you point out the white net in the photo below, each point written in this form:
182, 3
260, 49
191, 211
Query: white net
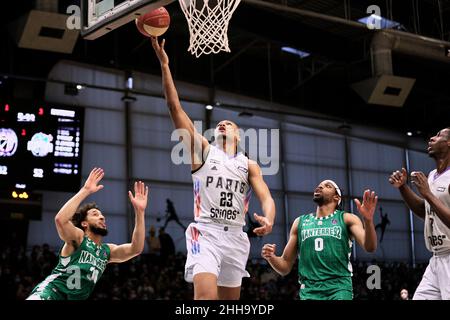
208, 24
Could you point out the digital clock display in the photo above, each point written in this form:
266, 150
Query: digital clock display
40, 146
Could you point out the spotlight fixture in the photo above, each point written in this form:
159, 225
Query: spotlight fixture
447, 52
129, 83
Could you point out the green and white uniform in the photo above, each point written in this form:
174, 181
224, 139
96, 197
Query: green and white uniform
75, 276
324, 269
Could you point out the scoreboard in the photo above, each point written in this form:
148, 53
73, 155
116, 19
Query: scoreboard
40, 146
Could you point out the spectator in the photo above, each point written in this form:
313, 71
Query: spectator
48, 255
167, 245
404, 295
154, 245
47, 259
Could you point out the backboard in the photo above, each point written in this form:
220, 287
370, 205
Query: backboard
102, 16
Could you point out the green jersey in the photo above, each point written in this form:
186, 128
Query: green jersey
324, 245
75, 276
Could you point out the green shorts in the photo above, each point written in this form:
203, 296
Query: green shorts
47, 293
332, 289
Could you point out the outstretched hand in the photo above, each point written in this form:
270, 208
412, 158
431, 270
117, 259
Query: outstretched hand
420, 181
159, 50
91, 184
139, 200
266, 225
367, 208
398, 179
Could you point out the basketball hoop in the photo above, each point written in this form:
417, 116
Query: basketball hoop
208, 24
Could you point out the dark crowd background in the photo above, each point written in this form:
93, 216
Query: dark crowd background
159, 276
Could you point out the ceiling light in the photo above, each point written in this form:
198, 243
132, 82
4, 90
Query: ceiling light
301, 54
383, 23
130, 83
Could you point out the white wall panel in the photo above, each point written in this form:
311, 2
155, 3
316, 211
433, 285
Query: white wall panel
155, 164
421, 161
87, 74
395, 247
305, 178
377, 182
158, 106
104, 126
300, 205
257, 122
109, 157
315, 150
117, 229
365, 155
152, 131
88, 97
113, 198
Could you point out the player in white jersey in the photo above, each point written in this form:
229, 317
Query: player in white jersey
217, 246
433, 206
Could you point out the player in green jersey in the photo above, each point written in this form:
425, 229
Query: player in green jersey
323, 241
84, 256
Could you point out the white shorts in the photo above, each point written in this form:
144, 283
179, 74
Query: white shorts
435, 284
218, 249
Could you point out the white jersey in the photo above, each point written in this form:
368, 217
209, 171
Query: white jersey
437, 234
221, 188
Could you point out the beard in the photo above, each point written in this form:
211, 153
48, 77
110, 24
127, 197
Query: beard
319, 200
99, 231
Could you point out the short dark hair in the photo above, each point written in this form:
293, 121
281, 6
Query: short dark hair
81, 214
448, 132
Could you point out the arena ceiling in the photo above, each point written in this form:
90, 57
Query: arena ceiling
321, 82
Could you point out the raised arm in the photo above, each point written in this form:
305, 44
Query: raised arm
365, 235
124, 252
263, 194
415, 203
283, 265
179, 117
66, 229
421, 183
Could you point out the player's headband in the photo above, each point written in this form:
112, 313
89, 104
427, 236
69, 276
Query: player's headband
334, 184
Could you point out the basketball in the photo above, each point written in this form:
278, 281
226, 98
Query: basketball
154, 23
